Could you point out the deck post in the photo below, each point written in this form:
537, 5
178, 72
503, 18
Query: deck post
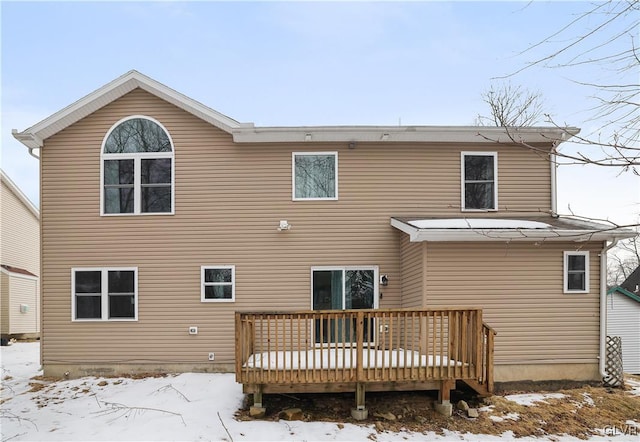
257, 410
443, 406
490, 355
360, 412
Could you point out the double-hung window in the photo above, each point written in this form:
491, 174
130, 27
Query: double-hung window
218, 283
479, 181
576, 272
315, 176
137, 168
104, 294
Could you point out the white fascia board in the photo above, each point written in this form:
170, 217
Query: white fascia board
522, 235
30, 140
406, 228
33, 136
402, 134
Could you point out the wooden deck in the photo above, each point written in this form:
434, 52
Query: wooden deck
354, 350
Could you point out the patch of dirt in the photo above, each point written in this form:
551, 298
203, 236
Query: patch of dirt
47, 378
36, 386
579, 413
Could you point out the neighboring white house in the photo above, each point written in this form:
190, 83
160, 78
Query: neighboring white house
623, 319
20, 263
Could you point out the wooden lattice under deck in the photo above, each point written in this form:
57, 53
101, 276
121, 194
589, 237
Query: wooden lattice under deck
613, 365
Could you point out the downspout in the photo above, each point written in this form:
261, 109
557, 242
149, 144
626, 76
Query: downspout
554, 173
32, 154
603, 305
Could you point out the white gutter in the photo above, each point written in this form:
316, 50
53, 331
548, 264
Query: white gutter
402, 134
603, 306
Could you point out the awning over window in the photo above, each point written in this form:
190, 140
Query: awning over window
508, 229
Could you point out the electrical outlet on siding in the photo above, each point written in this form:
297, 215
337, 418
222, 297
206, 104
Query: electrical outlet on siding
212, 356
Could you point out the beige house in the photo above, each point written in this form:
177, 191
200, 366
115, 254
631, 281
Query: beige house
162, 218
20, 263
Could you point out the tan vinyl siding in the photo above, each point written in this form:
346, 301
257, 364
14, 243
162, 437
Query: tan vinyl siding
413, 274
519, 286
229, 199
5, 303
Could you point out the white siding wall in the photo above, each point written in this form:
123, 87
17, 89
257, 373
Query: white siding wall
19, 247
623, 319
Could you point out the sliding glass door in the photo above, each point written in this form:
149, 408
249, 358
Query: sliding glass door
343, 288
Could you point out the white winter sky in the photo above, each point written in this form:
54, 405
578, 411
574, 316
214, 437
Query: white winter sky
304, 63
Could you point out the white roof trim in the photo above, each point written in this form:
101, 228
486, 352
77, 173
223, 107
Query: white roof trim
402, 134
33, 137
551, 233
19, 194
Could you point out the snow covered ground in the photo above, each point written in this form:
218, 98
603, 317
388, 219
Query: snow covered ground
190, 406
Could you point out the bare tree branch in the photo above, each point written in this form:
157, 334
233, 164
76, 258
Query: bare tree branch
511, 106
591, 38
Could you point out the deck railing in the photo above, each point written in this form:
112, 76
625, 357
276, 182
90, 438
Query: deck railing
363, 346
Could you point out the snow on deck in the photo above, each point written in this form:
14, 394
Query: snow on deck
332, 358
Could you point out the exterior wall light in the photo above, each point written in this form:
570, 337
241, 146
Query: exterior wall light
284, 225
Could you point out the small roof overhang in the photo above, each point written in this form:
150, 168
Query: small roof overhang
17, 271
533, 229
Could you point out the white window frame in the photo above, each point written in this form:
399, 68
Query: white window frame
293, 175
344, 269
376, 281
204, 284
565, 272
104, 295
463, 179
137, 170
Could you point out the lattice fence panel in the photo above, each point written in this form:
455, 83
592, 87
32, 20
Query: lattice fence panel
614, 371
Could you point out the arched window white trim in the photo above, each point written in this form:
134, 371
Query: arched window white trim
134, 181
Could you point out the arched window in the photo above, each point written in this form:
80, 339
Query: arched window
137, 168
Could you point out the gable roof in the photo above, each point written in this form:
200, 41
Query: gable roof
19, 194
632, 282
34, 136
630, 286
624, 292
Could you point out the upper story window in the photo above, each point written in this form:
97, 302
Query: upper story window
137, 168
576, 272
479, 181
315, 176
